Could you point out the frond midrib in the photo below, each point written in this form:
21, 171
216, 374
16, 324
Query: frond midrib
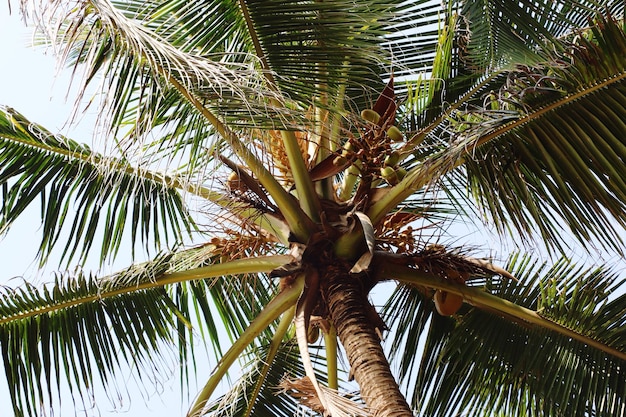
542, 111
113, 165
481, 299
236, 267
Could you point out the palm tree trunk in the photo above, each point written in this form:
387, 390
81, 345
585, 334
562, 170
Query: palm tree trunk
348, 307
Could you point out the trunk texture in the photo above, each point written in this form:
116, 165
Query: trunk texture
348, 307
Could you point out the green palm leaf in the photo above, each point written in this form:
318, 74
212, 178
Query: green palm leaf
61, 172
487, 36
479, 363
202, 28
82, 327
82, 342
504, 33
134, 49
314, 45
543, 146
561, 149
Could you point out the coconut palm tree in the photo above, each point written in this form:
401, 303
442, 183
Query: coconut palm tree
285, 158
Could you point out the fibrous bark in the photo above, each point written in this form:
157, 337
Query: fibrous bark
348, 308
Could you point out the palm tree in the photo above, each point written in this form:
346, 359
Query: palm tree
284, 158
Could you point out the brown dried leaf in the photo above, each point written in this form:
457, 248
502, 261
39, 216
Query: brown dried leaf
329, 167
370, 238
302, 389
252, 184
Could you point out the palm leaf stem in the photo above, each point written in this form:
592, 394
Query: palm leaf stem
330, 343
489, 302
324, 187
265, 66
330, 134
349, 181
281, 303
415, 179
299, 223
265, 221
307, 195
306, 190
236, 267
109, 164
337, 116
275, 344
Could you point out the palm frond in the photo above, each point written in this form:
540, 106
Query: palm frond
80, 343
482, 364
201, 28
559, 142
61, 172
499, 32
486, 36
312, 45
489, 34
212, 30
544, 147
414, 37
133, 49
94, 30
81, 327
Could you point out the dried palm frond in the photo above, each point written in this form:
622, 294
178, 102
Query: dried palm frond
302, 389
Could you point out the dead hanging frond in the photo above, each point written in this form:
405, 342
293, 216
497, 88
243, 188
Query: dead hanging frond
367, 229
249, 204
303, 391
240, 182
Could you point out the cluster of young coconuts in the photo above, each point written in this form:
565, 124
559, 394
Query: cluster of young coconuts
446, 303
390, 171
